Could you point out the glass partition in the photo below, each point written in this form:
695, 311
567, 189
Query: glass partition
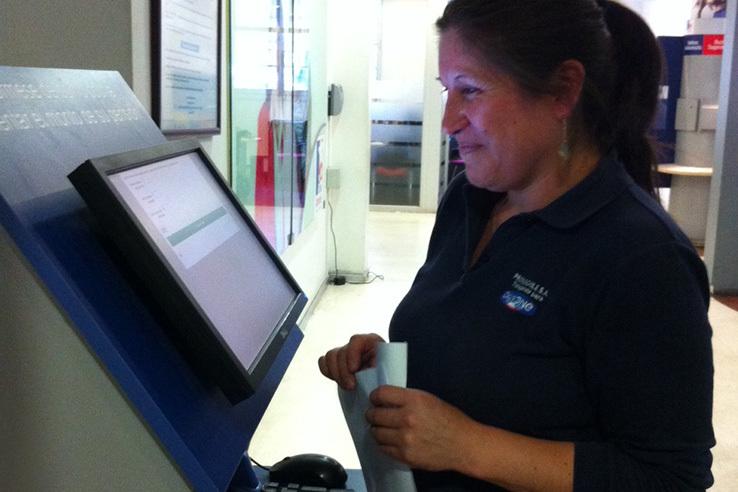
270, 98
396, 107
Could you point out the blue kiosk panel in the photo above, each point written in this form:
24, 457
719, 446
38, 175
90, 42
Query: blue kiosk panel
672, 48
51, 121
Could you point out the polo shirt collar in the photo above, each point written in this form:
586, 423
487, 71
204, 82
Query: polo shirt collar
600, 187
608, 180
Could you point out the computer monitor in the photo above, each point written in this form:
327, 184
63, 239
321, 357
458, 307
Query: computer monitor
229, 300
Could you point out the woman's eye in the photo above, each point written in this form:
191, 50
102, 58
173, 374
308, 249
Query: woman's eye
468, 91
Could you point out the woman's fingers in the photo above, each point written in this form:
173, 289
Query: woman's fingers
386, 418
340, 364
345, 377
389, 396
324, 366
361, 351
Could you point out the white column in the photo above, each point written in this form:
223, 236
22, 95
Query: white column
349, 42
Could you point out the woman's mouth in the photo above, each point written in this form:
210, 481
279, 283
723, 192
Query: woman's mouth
467, 148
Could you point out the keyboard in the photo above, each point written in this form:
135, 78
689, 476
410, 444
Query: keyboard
293, 487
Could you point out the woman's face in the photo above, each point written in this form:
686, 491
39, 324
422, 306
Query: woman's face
507, 138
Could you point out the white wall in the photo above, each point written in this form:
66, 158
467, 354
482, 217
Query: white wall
667, 17
403, 39
349, 41
68, 34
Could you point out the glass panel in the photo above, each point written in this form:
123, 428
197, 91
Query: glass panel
397, 104
270, 80
299, 90
397, 130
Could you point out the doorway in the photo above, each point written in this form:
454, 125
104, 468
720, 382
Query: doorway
407, 163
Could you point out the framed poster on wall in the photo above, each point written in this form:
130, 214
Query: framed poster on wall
186, 66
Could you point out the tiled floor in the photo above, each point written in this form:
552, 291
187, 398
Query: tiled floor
305, 416
730, 301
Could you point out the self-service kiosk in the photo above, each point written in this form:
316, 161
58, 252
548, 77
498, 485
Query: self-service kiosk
185, 394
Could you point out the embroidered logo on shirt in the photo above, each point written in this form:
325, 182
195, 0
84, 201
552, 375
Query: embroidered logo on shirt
525, 295
518, 302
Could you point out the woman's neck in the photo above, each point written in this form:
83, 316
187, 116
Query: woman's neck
553, 183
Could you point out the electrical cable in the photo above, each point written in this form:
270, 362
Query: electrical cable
340, 279
369, 281
337, 279
259, 465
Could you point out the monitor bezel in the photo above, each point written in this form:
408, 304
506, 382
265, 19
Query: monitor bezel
189, 327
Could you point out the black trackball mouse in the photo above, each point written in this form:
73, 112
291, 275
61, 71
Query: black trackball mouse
309, 469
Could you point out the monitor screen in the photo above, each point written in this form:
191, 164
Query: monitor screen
230, 299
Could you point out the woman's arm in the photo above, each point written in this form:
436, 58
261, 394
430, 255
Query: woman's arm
648, 369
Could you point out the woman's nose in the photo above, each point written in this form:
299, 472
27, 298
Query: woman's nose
453, 118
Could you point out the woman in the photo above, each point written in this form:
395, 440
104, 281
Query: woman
557, 333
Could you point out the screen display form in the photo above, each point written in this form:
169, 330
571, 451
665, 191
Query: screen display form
231, 301
207, 244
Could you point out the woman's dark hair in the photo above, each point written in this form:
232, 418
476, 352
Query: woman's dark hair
530, 39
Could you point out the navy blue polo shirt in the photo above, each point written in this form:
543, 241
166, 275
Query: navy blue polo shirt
585, 321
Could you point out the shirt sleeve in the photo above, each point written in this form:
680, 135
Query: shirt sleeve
649, 372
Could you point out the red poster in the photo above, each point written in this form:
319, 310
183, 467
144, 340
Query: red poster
713, 44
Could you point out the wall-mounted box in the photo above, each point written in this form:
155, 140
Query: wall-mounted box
708, 117
333, 178
686, 114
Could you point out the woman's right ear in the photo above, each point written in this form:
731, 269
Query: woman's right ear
568, 84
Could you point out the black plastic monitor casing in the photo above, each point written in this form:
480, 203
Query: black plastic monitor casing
188, 326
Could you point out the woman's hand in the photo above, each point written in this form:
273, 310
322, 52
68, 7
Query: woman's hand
341, 363
425, 432
417, 428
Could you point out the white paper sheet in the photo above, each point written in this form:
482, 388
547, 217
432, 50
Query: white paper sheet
381, 473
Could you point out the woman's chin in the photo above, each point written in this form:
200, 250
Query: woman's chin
482, 181
475, 178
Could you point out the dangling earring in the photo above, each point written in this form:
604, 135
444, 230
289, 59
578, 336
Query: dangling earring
564, 150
